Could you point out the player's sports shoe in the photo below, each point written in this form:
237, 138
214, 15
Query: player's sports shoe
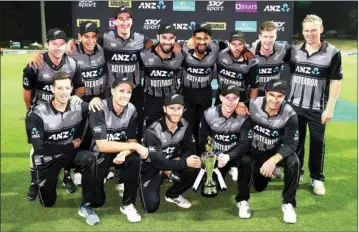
289, 215
180, 201
77, 178
33, 192
131, 213
87, 212
69, 184
120, 188
234, 173
318, 187
277, 173
110, 175
243, 210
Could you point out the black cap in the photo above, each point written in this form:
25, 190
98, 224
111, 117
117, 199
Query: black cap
277, 86
204, 27
118, 81
228, 89
166, 28
237, 35
56, 34
123, 9
174, 99
88, 26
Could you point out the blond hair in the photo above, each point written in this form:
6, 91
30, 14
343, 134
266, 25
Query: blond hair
268, 26
313, 19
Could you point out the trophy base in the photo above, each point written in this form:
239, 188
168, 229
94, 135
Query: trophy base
209, 195
209, 191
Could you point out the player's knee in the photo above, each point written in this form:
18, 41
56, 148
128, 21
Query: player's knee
151, 207
246, 162
47, 202
260, 187
134, 159
292, 162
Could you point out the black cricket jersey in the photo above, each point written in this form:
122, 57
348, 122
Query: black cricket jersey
52, 131
311, 75
229, 135
278, 132
161, 75
164, 146
39, 80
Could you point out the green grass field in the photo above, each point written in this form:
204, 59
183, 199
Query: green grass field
337, 211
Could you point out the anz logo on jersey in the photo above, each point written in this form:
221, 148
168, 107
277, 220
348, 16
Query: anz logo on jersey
62, 135
119, 136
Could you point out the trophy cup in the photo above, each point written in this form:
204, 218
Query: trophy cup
209, 187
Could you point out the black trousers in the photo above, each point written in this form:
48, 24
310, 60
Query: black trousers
138, 100
48, 175
249, 172
153, 109
129, 174
196, 102
28, 127
316, 146
151, 181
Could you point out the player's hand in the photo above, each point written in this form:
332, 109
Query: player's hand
70, 47
36, 60
176, 47
268, 168
76, 99
120, 158
193, 161
142, 151
242, 109
190, 43
222, 160
77, 142
96, 103
327, 115
149, 43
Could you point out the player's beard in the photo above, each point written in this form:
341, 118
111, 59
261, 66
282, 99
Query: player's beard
202, 50
173, 119
166, 50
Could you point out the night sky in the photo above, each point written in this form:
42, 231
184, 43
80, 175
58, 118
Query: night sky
21, 20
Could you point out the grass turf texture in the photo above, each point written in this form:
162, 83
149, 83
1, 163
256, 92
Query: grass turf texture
337, 211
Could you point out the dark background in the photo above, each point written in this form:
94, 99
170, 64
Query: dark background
20, 21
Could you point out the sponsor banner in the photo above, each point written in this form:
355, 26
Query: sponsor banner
284, 7
184, 6
246, 26
215, 6
246, 7
218, 26
151, 24
97, 21
111, 23
117, 4
152, 5
87, 4
185, 26
20, 52
280, 26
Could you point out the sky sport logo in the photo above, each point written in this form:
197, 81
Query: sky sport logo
280, 26
152, 5
117, 4
151, 24
218, 26
79, 21
277, 8
185, 26
184, 6
86, 4
246, 26
215, 6
246, 7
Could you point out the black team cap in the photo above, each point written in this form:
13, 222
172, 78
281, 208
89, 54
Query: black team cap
56, 33
174, 99
277, 86
88, 26
166, 28
118, 81
228, 89
204, 27
123, 9
237, 35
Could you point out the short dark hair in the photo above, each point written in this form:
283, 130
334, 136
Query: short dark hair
60, 76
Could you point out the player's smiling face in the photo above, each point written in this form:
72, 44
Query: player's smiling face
274, 99
312, 31
62, 90
124, 23
268, 39
174, 112
56, 48
88, 41
229, 102
201, 41
236, 47
122, 94
166, 42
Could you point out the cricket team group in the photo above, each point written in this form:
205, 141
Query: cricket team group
119, 103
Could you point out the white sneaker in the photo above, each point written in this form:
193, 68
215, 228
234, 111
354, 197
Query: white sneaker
289, 215
77, 179
180, 201
120, 188
318, 187
131, 213
244, 210
234, 173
